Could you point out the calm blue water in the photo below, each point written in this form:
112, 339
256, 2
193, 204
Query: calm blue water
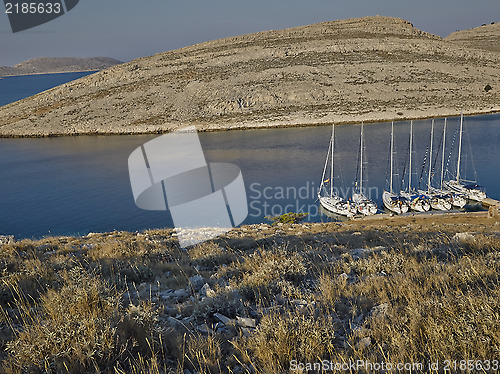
17, 88
76, 185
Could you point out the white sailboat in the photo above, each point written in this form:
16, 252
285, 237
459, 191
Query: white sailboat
391, 200
470, 189
328, 199
416, 202
363, 204
457, 200
437, 199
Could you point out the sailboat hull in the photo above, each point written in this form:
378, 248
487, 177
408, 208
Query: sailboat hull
458, 201
393, 203
416, 202
337, 205
331, 201
473, 192
364, 205
438, 201
440, 204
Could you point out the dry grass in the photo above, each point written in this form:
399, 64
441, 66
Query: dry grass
76, 328
211, 254
410, 293
204, 353
68, 329
283, 337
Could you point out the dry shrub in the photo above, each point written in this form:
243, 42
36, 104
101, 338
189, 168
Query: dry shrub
260, 275
440, 311
263, 270
281, 338
126, 246
119, 248
204, 353
331, 288
142, 365
226, 301
71, 329
479, 243
76, 328
30, 275
210, 254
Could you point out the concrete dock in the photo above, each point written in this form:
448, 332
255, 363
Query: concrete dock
493, 207
490, 202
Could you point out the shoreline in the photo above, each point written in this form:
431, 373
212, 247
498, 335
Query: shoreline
347, 120
383, 218
51, 72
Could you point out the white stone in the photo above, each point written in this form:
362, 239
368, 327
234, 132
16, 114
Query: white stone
246, 322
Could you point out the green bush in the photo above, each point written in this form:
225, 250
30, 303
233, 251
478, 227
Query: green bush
290, 217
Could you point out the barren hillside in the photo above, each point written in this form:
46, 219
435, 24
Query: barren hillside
58, 65
374, 68
486, 37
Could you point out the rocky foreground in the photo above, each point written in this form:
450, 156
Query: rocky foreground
260, 299
367, 69
45, 65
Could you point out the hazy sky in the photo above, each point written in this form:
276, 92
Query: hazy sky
127, 29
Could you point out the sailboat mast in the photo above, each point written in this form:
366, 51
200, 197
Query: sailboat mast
331, 169
411, 151
324, 169
361, 161
444, 147
460, 145
430, 158
392, 154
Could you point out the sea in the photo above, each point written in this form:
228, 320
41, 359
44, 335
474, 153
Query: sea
19, 87
78, 185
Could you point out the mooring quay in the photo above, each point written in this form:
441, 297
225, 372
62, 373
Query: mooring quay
490, 202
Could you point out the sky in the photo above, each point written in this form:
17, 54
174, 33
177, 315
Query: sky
128, 29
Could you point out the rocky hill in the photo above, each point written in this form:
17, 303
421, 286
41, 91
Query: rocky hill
486, 37
7, 70
58, 65
371, 69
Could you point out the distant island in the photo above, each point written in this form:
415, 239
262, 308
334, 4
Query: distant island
365, 69
44, 65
